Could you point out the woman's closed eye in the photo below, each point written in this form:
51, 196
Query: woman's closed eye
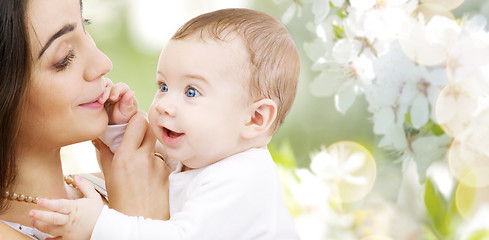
192, 92
65, 62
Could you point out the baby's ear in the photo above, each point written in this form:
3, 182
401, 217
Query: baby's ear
262, 115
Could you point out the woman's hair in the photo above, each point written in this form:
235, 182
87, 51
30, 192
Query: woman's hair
275, 60
14, 74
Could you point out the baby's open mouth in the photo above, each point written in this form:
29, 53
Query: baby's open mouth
171, 133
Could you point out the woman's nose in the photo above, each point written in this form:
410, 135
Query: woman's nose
98, 64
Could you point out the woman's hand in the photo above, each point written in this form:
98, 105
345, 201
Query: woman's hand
136, 180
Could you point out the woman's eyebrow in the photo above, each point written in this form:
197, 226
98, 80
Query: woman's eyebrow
64, 30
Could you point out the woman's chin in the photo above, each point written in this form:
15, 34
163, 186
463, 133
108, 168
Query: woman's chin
95, 128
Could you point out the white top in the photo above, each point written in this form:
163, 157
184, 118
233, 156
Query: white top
28, 231
238, 197
112, 136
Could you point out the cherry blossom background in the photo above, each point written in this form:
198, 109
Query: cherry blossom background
424, 74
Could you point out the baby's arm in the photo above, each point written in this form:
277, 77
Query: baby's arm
120, 105
70, 219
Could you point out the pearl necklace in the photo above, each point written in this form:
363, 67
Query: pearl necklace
31, 199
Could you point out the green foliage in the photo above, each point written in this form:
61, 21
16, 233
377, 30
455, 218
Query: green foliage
339, 32
283, 155
437, 130
442, 212
428, 233
479, 235
434, 128
342, 13
430, 126
299, 3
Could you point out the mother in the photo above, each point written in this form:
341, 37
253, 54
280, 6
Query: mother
51, 77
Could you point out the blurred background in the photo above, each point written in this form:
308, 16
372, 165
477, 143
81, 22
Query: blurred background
133, 32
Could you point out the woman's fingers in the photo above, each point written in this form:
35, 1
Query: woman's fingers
148, 143
135, 133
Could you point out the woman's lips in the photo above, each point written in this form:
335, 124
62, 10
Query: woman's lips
170, 137
94, 104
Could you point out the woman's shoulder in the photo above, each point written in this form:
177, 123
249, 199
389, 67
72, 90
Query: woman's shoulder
7, 232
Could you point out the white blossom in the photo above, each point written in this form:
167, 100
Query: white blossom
430, 8
429, 44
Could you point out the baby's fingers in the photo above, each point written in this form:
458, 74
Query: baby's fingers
86, 188
118, 90
106, 94
128, 101
45, 227
57, 205
46, 218
127, 106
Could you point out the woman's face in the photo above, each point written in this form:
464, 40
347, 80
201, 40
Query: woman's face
66, 78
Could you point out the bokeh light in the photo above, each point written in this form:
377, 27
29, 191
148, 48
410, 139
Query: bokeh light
349, 168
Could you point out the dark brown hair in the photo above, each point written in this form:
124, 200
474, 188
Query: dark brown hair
275, 60
14, 71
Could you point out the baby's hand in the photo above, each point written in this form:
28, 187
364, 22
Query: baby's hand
69, 219
121, 104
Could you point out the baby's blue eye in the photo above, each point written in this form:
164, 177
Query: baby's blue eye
191, 92
164, 88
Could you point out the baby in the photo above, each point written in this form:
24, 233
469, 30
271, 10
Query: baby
226, 81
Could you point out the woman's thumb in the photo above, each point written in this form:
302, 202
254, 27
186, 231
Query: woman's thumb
104, 155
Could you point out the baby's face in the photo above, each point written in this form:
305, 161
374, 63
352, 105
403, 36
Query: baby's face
202, 102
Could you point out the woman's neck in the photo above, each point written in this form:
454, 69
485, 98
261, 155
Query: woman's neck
39, 174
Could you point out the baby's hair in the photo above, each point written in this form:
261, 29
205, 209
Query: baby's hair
275, 60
